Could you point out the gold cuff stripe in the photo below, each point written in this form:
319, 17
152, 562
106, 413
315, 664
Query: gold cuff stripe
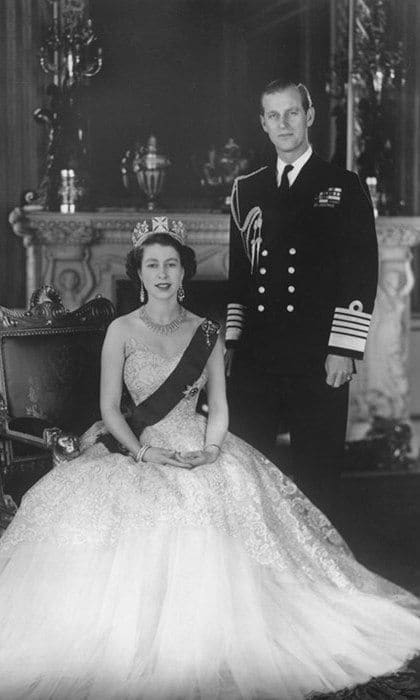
235, 314
350, 326
350, 332
352, 319
236, 307
233, 333
347, 342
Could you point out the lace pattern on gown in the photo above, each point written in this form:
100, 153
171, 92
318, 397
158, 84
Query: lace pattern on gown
100, 498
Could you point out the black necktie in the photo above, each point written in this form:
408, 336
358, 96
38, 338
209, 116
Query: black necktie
284, 182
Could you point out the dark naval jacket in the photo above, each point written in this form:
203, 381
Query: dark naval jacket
303, 268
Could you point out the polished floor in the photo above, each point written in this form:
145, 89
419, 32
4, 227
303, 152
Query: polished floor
379, 516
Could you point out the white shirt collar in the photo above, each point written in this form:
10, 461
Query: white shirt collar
297, 166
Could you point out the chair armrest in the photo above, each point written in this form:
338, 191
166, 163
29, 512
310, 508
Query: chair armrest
64, 446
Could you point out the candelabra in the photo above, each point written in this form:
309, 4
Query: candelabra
70, 52
70, 55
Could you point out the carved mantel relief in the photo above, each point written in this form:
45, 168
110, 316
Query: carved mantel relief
381, 386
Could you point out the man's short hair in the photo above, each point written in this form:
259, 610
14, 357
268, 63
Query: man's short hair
279, 85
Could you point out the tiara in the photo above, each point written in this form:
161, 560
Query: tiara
160, 224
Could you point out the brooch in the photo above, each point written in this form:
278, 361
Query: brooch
191, 391
210, 328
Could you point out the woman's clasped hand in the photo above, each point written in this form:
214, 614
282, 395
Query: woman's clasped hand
196, 458
184, 460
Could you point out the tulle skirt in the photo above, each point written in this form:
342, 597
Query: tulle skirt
128, 582
184, 613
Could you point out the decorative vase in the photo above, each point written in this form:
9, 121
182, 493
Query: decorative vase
146, 166
219, 171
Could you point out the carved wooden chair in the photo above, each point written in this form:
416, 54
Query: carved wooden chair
49, 384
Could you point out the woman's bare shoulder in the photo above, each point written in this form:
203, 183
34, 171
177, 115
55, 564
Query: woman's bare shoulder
122, 325
194, 318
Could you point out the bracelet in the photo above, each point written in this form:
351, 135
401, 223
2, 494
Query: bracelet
219, 449
140, 454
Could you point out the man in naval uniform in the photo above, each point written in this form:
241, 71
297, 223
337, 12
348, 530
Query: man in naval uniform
303, 277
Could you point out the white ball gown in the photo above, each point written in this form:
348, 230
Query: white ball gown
125, 581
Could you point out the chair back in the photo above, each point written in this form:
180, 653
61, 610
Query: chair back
49, 369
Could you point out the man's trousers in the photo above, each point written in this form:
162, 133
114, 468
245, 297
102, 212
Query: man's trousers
262, 405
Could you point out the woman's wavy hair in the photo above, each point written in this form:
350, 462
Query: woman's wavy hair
135, 257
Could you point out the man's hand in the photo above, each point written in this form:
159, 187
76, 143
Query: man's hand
339, 370
229, 357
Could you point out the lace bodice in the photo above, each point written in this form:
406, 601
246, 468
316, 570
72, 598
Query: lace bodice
144, 371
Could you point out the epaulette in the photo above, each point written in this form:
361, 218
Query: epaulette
250, 229
234, 202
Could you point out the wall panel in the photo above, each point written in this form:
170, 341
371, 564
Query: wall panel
21, 85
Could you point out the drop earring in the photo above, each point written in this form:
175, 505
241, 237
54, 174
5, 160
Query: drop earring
142, 294
181, 294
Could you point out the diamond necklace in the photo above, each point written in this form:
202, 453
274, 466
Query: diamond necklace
163, 328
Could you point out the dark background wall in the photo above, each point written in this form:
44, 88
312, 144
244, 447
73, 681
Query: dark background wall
190, 71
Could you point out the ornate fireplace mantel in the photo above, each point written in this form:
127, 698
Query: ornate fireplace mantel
83, 254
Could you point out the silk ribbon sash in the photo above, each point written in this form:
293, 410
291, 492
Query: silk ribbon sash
174, 388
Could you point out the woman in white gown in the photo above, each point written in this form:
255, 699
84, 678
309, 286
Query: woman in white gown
189, 567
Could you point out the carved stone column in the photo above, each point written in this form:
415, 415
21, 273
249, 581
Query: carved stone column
381, 386
58, 252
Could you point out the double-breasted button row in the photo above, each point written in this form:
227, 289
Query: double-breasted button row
291, 288
263, 270
261, 288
